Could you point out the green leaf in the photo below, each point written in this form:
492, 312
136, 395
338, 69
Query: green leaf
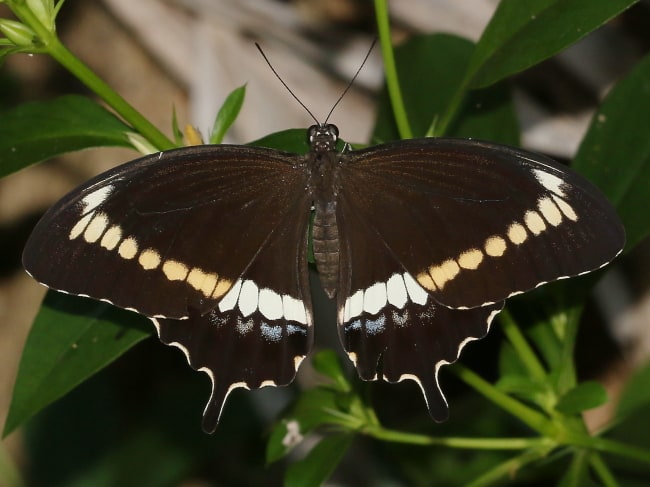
327, 362
36, 131
227, 114
586, 395
291, 140
319, 463
636, 394
71, 339
430, 69
615, 153
521, 386
285, 436
313, 408
509, 361
309, 412
523, 33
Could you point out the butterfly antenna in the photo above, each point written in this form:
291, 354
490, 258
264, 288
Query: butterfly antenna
285, 85
347, 88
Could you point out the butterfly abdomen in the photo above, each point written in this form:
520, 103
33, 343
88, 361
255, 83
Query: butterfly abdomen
325, 236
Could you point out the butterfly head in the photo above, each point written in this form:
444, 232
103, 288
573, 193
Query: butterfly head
323, 137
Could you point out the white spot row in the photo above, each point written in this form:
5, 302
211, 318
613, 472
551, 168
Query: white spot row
96, 198
397, 291
549, 211
96, 228
551, 182
248, 297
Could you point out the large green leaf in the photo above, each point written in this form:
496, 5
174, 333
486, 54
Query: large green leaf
615, 153
71, 339
33, 132
430, 69
523, 33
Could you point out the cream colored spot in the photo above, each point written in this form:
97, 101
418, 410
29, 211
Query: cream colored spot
444, 272
222, 288
495, 246
470, 259
96, 198
112, 237
549, 211
565, 208
517, 234
96, 228
425, 281
202, 281
80, 226
128, 248
149, 259
534, 222
174, 270
416, 292
550, 182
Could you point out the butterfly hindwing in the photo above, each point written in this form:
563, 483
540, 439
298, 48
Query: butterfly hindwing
476, 222
390, 326
256, 336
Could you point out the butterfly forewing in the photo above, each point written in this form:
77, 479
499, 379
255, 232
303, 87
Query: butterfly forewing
170, 232
476, 222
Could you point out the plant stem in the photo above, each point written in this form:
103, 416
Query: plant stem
390, 70
53, 46
602, 470
614, 447
532, 418
521, 346
458, 442
509, 467
145, 128
9, 475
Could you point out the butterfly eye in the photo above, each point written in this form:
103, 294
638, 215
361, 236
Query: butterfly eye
333, 130
312, 132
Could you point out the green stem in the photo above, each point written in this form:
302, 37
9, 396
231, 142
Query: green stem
602, 470
53, 46
565, 327
390, 70
9, 475
613, 447
509, 467
521, 346
457, 442
532, 418
451, 112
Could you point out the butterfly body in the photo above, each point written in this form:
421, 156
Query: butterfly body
323, 165
419, 241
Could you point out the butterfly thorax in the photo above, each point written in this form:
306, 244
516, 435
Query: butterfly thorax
323, 160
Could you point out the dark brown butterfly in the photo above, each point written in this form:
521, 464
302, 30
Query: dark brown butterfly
419, 241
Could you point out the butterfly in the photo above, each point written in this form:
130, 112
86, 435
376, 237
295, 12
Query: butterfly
418, 241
